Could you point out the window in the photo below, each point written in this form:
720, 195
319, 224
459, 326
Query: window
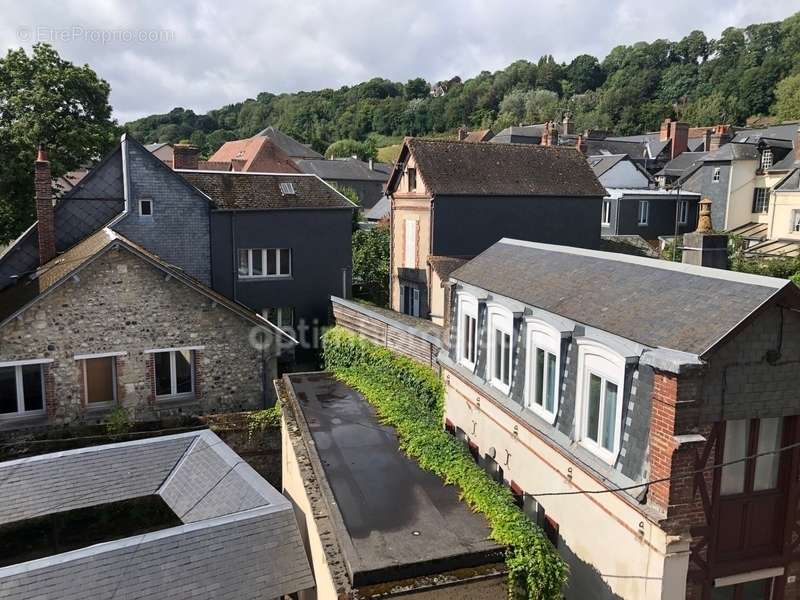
174, 373
600, 393
746, 438
796, 221
412, 180
715, 176
760, 200
605, 219
500, 326
683, 212
100, 380
766, 159
411, 244
760, 589
283, 317
287, 188
409, 300
644, 211
543, 370
145, 207
467, 332
21, 389
265, 262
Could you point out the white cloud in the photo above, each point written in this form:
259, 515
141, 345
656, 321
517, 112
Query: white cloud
225, 52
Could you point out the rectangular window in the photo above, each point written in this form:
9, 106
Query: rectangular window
100, 379
796, 221
602, 412
715, 176
283, 316
758, 438
766, 159
545, 380
174, 373
644, 211
145, 207
760, 200
606, 216
265, 262
409, 300
502, 357
412, 180
683, 212
21, 389
411, 243
468, 339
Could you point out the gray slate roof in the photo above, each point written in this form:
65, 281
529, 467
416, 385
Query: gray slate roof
681, 163
602, 163
288, 144
260, 191
733, 151
381, 209
239, 538
785, 131
341, 168
464, 168
653, 302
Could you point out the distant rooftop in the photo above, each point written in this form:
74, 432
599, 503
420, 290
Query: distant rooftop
288, 144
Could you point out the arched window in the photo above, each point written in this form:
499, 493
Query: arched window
467, 330
543, 370
501, 322
601, 385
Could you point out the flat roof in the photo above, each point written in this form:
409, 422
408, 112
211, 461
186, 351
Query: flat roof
401, 521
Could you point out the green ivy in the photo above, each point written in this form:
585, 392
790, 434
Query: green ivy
261, 420
410, 398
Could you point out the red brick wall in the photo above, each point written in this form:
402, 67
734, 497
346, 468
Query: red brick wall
44, 209
662, 437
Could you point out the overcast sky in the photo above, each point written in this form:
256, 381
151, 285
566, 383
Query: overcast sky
200, 55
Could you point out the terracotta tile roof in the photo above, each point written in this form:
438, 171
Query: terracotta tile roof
463, 168
261, 191
481, 135
256, 155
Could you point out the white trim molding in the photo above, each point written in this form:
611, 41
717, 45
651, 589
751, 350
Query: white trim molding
175, 349
467, 307
22, 363
542, 337
499, 318
99, 355
749, 576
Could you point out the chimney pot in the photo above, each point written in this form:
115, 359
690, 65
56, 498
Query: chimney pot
43, 185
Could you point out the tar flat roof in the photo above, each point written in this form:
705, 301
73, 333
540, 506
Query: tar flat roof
239, 538
650, 301
400, 520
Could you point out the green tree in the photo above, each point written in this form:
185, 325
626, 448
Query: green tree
787, 99
585, 73
371, 262
47, 100
416, 88
348, 147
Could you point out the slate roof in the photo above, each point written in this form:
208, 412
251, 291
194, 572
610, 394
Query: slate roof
262, 191
681, 164
288, 144
653, 302
444, 265
733, 151
238, 535
341, 168
601, 163
381, 209
464, 168
784, 131
787, 163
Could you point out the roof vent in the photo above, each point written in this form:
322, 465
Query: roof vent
287, 188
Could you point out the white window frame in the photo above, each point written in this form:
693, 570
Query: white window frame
414, 300
149, 201
644, 204
763, 201
596, 358
767, 158
499, 318
605, 217
467, 307
794, 226
410, 243
279, 310
683, 212
173, 372
20, 391
264, 254
113, 400
542, 336
715, 177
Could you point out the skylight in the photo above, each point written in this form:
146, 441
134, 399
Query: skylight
287, 188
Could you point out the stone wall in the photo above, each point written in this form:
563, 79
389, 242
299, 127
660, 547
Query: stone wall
120, 303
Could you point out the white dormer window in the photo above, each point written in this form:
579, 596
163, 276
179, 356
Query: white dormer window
543, 370
501, 323
715, 176
145, 207
601, 383
766, 159
467, 332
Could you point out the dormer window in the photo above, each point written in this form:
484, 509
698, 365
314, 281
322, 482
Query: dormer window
467, 332
500, 349
716, 175
543, 370
766, 159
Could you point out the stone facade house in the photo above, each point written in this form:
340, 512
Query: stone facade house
644, 413
107, 323
454, 199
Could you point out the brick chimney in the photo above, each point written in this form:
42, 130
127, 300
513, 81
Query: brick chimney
703, 247
462, 133
185, 156
679, 136
550, 134
664, 134
721, 136
43, 183
581, 144
237, 164
566, 124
